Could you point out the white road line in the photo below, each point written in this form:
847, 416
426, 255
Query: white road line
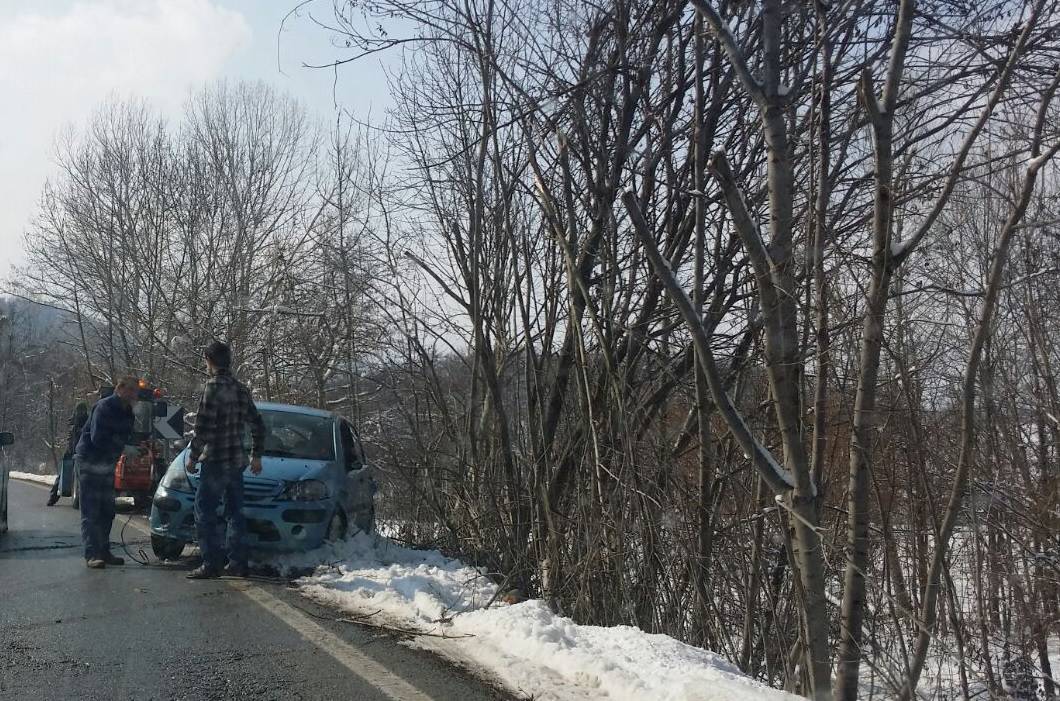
356, 662
345, 654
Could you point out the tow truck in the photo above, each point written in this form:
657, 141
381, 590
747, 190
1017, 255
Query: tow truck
138, 477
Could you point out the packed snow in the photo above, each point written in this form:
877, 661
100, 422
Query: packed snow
32, 477
456, 611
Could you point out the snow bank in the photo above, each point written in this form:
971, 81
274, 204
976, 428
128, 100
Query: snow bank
31, 477
532, 651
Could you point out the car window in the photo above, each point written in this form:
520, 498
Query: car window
351, 447
291, 435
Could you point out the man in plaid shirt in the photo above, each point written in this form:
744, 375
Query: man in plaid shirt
225, 411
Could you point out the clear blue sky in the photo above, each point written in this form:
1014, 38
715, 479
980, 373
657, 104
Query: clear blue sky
60, 58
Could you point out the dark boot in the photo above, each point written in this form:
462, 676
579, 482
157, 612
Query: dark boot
113, 559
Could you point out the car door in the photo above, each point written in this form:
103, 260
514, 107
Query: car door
359, 502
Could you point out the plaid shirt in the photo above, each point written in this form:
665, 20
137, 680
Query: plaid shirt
225, 409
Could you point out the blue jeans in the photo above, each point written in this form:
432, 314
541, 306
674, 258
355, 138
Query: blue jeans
96, 493
219, 482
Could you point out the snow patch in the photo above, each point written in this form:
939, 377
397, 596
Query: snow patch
1035, 164
33, 477
781, 472
898, 248
458, 613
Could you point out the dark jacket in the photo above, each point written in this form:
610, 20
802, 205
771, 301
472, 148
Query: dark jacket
225, 412
77, 424
104, 436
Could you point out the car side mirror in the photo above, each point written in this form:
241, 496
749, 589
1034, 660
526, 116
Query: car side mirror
161, 409
6, 438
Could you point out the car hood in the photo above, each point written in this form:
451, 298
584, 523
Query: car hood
282, 470
291, 469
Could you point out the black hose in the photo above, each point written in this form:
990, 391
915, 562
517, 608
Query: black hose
145, 561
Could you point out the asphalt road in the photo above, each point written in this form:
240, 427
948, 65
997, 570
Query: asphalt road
134, 632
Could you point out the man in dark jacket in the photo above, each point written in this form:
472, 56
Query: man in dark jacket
77, 422
225, 412
102, 441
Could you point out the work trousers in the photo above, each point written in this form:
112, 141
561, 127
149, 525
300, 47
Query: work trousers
96, 494
220, 483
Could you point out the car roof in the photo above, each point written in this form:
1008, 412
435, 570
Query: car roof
295, 409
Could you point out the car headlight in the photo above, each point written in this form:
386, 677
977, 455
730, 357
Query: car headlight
176, 479
306, 490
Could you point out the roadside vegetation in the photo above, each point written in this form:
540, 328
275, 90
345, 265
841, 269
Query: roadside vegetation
732, 321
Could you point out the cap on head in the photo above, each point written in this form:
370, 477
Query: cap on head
219, 354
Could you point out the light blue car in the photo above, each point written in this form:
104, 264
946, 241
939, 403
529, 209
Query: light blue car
315, 486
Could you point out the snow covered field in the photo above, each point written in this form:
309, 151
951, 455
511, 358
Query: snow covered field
457, 613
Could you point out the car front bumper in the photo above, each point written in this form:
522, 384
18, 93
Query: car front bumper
281, 526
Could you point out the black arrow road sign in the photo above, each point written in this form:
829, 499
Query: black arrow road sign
171, 426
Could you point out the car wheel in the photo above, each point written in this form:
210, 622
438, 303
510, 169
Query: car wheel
337, 527
166, 548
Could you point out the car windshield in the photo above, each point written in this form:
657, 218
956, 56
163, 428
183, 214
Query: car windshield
290, 435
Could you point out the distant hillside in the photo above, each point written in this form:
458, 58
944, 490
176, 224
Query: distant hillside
40, 380
42, 319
